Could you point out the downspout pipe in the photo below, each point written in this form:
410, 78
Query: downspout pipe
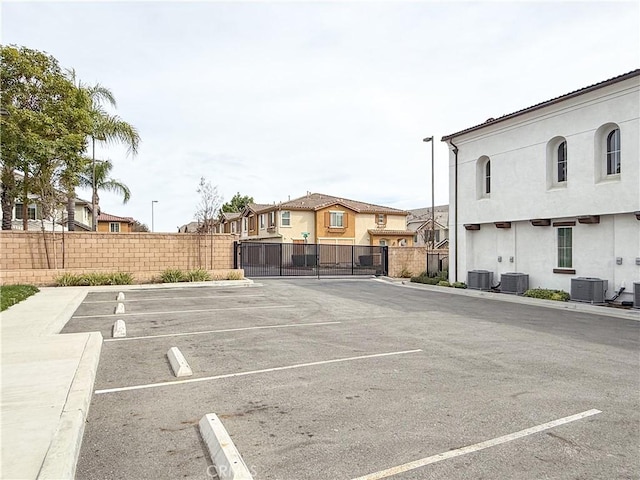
455, 226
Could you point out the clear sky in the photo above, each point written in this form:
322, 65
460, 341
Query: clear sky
274, 99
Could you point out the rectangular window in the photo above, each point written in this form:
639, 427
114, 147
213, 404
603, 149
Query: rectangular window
272, 219
336, 219
565, 248
31, 211
382, 219
286, 219
233, 227
262, 221
562, 162
114, 227
245, 224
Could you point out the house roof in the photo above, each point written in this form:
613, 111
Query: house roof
190, 227
416, 225
229, 215
257, 207
575, 93
105, 217
318, 201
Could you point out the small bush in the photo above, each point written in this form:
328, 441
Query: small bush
172, 275
444, 283
546, 294
67, 280
198, 275
93, 279
405, 273
121, 278
234, 275
12, 294
430, 279
459, 285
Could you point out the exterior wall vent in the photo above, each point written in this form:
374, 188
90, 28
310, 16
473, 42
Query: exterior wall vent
514, 283
541, 222
479, 279
589, 290
503, 224
589, 219
636, 295
472, 226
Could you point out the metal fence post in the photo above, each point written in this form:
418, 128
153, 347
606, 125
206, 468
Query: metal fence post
235, 255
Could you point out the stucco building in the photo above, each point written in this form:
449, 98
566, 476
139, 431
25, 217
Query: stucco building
552, 190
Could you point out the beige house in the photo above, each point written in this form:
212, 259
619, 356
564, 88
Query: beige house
325, 219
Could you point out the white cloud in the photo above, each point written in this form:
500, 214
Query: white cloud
274, 99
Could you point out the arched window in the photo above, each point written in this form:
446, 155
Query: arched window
613, 152
487, 177
562, 162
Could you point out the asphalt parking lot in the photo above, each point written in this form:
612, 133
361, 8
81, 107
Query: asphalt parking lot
341, 379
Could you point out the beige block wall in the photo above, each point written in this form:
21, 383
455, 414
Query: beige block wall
136, 253
414, 259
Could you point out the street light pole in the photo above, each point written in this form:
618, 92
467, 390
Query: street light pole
433, 226
152, 202
94, 193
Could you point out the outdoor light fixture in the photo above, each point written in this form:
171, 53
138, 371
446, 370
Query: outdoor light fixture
433, 226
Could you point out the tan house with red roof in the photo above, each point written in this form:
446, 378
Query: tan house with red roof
114, 224
325, 219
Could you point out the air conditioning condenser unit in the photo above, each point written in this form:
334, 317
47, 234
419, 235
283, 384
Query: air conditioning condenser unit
589, 290
479, 279
514, 283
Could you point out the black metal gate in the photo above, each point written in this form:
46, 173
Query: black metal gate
309, 259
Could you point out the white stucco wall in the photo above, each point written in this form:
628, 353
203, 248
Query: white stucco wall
521, 190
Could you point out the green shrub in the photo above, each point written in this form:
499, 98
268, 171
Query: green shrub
546, 294
93, 279
12, 294
405, 273
67, 280
444, 283
198, 275
234, 275
172, 275
430, 279
459, 285
121, 278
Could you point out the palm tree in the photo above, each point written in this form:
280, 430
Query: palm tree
97, 175
108, 129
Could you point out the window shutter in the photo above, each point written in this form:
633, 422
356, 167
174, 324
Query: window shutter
327, 219
345, 219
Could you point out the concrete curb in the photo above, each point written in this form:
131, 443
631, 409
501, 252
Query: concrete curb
62, 456
119, 329
224, 454
150, 286
503, 297
178, 363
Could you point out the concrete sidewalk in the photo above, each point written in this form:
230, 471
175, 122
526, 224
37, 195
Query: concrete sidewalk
47, 383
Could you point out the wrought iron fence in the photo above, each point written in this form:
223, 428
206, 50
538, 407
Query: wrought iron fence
309, 259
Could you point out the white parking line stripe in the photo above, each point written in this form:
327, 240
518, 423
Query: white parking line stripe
242, 374
189, 311
152, 299
290, 325
474, 448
